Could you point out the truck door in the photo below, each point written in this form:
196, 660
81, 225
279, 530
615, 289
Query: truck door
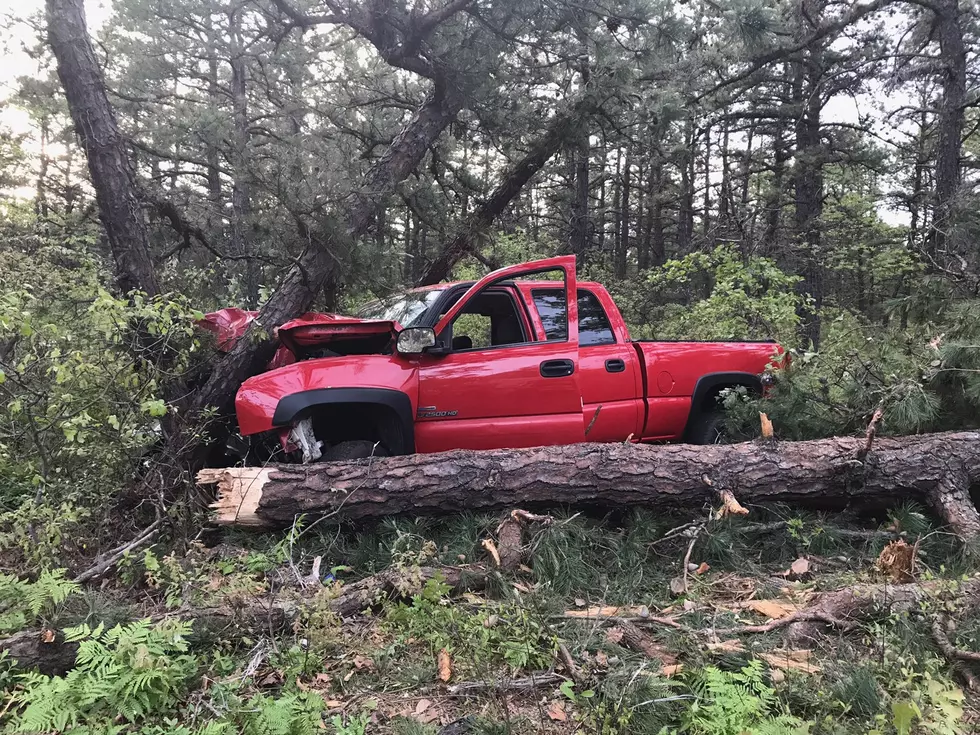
488, 384
608, 372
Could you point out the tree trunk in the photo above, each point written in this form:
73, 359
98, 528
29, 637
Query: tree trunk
109, 165
935, 469
949, 124
808, 96
510, 185
241, 199
308, 277
620, 257
685, 215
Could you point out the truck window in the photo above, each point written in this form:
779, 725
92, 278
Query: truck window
593, 324
490, 319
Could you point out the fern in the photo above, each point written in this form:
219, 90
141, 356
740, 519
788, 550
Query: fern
22, 602
291, 714
131, 671
737, 703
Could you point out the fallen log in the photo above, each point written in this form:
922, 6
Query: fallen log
47, 651
934, 469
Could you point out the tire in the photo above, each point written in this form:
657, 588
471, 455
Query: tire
358, 449
709, 428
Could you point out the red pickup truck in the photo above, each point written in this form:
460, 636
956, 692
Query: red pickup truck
524, 357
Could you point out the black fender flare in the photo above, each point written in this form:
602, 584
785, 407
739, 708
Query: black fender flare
708, 382
292, 407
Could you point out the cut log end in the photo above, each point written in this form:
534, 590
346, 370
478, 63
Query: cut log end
239, 494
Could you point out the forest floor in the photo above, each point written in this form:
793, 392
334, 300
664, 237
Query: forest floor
598, 629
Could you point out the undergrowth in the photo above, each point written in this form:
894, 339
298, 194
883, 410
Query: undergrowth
157, 666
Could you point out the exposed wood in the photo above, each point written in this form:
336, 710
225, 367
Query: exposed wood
934, 469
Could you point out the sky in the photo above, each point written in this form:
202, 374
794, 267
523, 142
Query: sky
14, 63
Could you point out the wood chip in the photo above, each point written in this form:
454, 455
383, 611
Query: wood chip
772, 609
766, 425
799, 568
897, 562
792, 660
672, 670
491, 548
445, 665
639, 611
730, 646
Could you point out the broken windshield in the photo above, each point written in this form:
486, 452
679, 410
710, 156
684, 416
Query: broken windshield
407, 309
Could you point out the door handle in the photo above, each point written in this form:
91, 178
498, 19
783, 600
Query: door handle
615, 366
557, 368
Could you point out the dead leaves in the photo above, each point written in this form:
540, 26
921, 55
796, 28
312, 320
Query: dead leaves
556, 711
615, 635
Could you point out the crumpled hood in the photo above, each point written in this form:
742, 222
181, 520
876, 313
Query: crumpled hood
322, 329
311, 329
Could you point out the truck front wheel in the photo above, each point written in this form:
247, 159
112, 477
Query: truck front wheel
356, 449
710, 428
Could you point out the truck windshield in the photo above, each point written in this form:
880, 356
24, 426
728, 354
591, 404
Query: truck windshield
407, 308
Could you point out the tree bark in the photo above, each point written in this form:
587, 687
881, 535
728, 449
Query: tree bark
109, 165
935, 469
241, 195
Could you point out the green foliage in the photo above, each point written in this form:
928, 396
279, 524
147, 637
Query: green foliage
508, 634
716, 294
289, 714
79, 402
737, 703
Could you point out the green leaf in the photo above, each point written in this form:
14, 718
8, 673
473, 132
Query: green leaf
904, 713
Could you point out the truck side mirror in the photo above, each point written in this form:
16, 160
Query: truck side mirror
415, 340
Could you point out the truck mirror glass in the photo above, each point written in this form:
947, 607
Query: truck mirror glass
415, 340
